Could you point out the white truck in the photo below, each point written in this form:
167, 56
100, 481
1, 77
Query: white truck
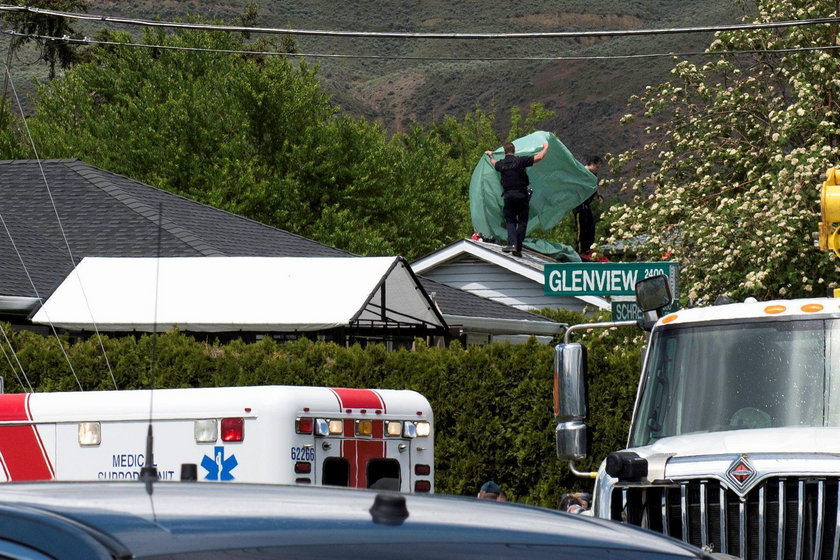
267, 434
734, 444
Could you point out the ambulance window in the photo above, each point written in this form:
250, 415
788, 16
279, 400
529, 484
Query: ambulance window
383, 468
336, 472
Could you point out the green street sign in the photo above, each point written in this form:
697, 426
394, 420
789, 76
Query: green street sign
604, 279
629, 311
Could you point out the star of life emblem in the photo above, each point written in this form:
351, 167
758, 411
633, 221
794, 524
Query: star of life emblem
741, 473
218, 467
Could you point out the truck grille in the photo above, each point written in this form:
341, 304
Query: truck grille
781, 518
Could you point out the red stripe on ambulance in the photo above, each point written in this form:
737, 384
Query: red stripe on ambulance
359, 399
358, 453
22, 452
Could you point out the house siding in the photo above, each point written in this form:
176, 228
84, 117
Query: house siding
495, 283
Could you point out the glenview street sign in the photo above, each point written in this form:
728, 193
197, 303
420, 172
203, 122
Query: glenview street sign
604, 279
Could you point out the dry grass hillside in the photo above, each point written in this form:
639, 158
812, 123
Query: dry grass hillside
433, 79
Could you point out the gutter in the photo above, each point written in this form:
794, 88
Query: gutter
505, 326
18, 304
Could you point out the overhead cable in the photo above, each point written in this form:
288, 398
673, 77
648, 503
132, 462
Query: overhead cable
408, 35
11, 365
67, 245
89, 41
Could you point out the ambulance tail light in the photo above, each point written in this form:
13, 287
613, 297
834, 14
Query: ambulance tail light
423, 486
304, 425
410, 430
393, 428
336, 427
325, 427
364, 428
233, 429
90, 433
303, 467
206, 430
422, 470
423, 428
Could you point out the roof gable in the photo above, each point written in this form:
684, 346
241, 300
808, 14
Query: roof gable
529, 266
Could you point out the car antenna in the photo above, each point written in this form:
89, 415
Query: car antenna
149, 474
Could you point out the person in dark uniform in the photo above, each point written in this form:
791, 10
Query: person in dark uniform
515, 193
584, 220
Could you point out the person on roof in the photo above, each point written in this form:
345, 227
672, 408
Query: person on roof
515, 183
584, 219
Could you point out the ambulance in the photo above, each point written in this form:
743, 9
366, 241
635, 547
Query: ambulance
357, 438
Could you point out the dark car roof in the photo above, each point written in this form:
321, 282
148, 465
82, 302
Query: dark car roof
195, 520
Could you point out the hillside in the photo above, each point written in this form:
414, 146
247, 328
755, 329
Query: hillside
588, 97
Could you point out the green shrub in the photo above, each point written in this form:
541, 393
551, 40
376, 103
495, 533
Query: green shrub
492, 404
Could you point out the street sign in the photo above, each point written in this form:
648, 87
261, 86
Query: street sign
629, 311
604, 279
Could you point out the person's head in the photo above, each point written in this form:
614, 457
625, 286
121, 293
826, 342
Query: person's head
489, 490
509, 148
594, 164
574, 503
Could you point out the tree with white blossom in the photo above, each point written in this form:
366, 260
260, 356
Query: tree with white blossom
728, 181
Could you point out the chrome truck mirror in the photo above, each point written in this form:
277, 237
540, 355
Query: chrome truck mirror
571, 433
652, 295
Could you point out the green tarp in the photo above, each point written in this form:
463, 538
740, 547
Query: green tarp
559, 181
558, 251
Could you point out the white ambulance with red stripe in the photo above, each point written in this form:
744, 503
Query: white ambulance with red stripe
268, 434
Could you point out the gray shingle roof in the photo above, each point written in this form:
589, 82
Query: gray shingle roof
104, 214
453, 301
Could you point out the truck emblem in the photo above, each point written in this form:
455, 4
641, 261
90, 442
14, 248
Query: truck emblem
218, 467
741, 472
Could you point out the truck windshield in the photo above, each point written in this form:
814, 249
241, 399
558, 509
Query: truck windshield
735, 376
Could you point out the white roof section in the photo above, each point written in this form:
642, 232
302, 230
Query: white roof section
223, 294
219, 402
529, 265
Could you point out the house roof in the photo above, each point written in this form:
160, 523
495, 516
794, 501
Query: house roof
224, 294
529, 265
105, 214
461, 308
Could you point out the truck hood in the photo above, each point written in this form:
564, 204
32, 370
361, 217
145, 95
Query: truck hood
743, 458
766, 440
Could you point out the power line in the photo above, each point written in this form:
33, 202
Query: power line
407, 35
66, 243
89, 41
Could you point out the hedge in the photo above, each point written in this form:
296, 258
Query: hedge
492, 404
